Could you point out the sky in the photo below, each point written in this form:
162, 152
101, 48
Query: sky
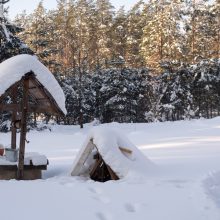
17, 6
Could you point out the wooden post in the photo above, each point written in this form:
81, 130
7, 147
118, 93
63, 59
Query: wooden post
20, 173
35, 119
13, 131
13, 119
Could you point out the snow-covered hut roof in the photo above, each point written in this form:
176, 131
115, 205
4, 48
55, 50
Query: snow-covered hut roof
13, 69
111, 144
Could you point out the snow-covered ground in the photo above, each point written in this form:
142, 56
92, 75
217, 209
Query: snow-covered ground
185, 185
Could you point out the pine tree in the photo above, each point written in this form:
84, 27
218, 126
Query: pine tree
97, 82
206, 88
40, 35
125, 95
119, 32
175, 99
104, 21
135, 25
161, 31
198, 26
215, 12
10, 44
79, 96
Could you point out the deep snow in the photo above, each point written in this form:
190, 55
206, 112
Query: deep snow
185, 184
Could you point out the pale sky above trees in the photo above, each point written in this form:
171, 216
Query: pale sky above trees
29, 5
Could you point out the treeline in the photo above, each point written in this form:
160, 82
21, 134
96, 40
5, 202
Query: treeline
135, 95
93, 35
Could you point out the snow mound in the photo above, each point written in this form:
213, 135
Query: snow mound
12, 70
108, 143
212, 186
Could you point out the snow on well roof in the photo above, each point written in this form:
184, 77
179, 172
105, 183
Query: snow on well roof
107, 142
13, 69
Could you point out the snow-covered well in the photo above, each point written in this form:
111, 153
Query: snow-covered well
13, 69
108, 143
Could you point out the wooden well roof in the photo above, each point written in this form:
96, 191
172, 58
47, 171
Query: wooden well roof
44, 91
41, 101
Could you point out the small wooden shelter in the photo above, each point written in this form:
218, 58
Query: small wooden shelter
24, 80
108, 155
99, 170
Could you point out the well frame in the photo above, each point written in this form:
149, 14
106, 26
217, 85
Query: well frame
42, 102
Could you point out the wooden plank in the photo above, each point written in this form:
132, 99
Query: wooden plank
90, 146
31, 167
41, 91
36, 93
20, 173
97, 164
46, 94
8, 167
10, 107
125, 150
40, 108
32, 88
112, 173
32, 108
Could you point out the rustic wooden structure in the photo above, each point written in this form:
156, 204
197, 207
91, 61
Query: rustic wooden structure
27, 95
98, 170
30, 172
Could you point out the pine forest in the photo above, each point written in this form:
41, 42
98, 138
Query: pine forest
158, 61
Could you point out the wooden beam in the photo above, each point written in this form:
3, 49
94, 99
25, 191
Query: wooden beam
20, 173
84, 156
32, 108
97, 164
112, 173
7, 92
13, 119
10, 107
125, 150
13, 131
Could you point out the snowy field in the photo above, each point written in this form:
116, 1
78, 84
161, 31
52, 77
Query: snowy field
184, 185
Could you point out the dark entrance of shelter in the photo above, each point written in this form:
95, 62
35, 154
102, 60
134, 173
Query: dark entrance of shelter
101, 171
